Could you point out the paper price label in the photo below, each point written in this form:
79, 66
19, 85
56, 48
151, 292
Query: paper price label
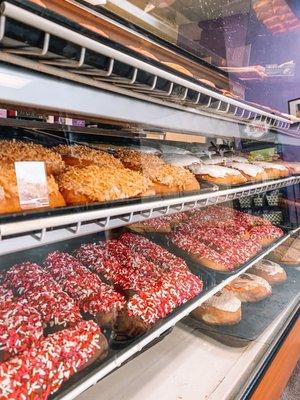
32, 184
257, 130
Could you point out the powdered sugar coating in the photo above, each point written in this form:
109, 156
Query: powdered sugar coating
248, 169
269, 165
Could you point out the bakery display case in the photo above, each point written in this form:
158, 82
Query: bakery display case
149, 201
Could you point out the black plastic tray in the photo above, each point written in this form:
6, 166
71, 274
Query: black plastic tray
115, 348
256, 317
218, 276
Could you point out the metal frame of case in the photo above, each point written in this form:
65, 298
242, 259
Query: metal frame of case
183, 105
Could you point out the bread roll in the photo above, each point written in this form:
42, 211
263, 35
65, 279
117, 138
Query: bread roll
269, 270
249, 288
223, 308
288, 253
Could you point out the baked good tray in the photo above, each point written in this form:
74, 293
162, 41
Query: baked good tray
218, 275
50, 212
256, 317
117, 350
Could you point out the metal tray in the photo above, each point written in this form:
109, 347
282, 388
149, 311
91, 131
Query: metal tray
219, 276
119, 352
256, 317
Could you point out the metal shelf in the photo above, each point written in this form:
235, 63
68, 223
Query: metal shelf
78, 60
169, 323
34, 232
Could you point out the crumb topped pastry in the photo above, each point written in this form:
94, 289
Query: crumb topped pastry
95, 184
165, 178
137, 160
84, 155
14, 150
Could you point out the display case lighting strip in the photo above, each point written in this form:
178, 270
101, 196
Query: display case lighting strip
120, 359
41, 231
177, 90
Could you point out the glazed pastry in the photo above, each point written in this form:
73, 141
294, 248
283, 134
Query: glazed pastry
269, 270
223, 308
10, 200
166, 149
206, 82
46, 296
293, 167
217, 174
235, 159
83, 155
94, 298
143, 52
250, 171
145, 149
183, 160
160, 224
273, 170
249, 287
215, 160
92, 183
15, 150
